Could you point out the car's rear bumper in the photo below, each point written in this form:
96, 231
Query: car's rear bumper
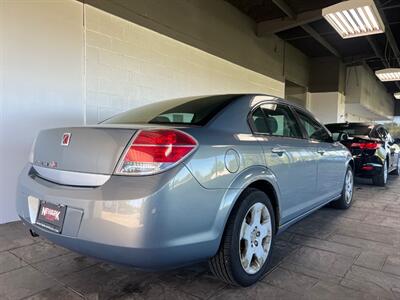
153, 222
138, 257
367, 166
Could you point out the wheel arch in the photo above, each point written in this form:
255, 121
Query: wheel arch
258, 177
351, 164
268, 189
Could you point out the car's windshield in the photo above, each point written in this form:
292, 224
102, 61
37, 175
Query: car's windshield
191, 111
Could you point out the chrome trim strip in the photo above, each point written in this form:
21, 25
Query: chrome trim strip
72, 178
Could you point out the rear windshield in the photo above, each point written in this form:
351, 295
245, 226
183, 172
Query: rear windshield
193, 111
350, 129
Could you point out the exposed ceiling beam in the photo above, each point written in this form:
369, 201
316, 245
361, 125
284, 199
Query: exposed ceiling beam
358, 59
311, 31
379, 54
388, 33
391, 7
276, 25
285, 8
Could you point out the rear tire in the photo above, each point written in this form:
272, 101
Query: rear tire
249, 233
381, 178
346, 199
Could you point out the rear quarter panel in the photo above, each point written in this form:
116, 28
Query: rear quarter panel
226, 147
222, 156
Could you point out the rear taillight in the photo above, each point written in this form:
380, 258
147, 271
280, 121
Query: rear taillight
153, 151
366, 145
367, 168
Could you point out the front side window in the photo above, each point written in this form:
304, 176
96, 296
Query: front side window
275, 119
315, 130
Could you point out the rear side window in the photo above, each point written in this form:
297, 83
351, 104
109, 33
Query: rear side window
191, 111
275, 119
314, 129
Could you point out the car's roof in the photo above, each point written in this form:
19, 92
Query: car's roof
238, 95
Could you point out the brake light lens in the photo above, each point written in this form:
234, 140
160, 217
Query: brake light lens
366, 145
153, 151
367, 168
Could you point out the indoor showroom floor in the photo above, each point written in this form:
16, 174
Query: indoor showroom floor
332, 254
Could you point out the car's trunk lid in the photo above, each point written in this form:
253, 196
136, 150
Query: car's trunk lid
353, 144
89, 149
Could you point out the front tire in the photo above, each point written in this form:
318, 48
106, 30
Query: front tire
346, 199
381, 178
244, 255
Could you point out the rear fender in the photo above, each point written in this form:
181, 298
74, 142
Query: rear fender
232, 194
350, 162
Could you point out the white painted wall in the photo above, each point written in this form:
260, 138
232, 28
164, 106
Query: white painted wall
350, 117
216, 27
327, 107
129, 65
366, 97
42, 55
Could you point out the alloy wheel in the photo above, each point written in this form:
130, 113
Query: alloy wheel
255, 238
349, 185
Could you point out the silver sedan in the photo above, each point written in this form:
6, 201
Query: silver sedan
180, 181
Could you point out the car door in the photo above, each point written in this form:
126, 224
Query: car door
288, 155
331, 158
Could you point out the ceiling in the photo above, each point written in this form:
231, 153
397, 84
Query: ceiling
300, 23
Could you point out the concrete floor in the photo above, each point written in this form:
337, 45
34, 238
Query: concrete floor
332, 254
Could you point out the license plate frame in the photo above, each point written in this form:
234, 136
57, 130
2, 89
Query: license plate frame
51, 216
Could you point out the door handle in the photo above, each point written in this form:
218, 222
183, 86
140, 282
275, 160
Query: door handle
278, 151
322, 152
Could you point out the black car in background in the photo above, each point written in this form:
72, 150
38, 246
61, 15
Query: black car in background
374, 151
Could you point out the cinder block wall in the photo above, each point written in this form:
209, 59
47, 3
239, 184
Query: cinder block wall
128, 65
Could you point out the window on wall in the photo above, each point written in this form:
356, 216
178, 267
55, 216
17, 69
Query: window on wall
275, 119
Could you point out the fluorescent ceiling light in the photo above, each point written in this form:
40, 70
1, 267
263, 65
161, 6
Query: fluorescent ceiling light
392, 74
354, 18
397, 95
